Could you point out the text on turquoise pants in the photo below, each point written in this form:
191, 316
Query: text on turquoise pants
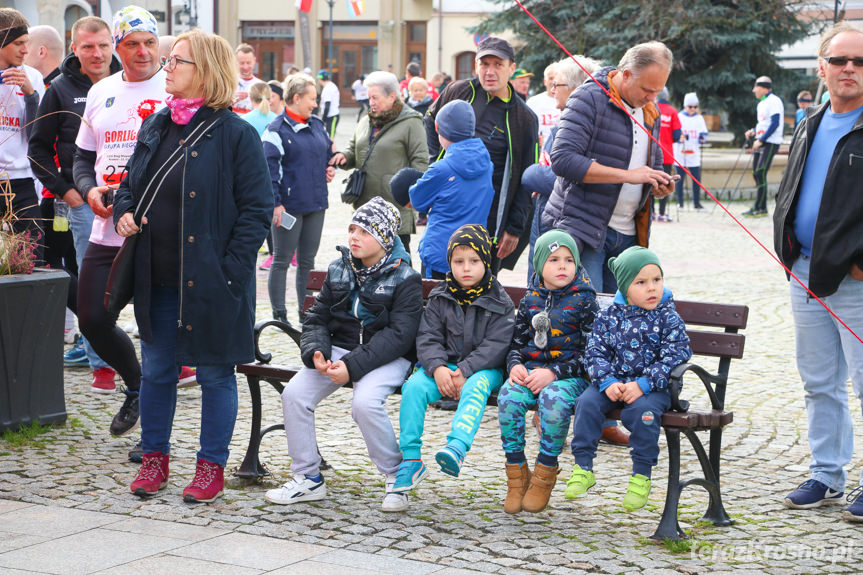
420, 390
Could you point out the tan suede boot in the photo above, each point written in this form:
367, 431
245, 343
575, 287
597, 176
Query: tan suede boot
517, 480
539, 491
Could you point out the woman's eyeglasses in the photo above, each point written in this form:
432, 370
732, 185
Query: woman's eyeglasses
171, 62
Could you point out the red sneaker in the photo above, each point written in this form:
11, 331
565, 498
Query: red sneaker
187, 378
103, 380
153, 475
209, 482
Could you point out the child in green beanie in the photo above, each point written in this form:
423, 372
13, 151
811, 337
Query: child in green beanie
545, 367
635, 344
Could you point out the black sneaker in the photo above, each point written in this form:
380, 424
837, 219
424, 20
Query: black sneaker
126, 419
136, 455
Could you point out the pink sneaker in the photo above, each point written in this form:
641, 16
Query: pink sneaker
188, 377
266, 263
153, 475
103, 380
208, 484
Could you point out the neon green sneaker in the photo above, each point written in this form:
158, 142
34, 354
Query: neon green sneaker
580, 480
636, 494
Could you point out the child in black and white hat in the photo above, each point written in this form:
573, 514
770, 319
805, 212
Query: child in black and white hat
362, 324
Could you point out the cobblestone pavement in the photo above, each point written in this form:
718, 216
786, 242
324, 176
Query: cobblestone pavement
460, 522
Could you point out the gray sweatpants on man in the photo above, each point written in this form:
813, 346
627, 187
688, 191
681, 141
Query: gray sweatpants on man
306, 389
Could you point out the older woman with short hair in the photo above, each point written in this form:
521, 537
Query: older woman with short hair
195, 259
399, 140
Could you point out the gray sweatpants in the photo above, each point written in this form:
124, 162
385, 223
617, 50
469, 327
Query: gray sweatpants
304, 238
306, 389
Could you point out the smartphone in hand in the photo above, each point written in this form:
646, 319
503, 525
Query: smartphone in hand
287, 221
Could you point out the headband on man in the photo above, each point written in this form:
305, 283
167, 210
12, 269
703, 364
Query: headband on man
9, 35
768, 85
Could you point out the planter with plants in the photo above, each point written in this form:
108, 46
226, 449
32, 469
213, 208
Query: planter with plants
32, 311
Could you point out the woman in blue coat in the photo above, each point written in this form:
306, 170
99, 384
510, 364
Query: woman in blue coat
300, 157
195, 258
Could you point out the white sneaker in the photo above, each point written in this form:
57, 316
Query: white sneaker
71, 336
394, 502
297, 490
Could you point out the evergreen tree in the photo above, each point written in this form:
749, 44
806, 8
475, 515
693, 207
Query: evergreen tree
719, 46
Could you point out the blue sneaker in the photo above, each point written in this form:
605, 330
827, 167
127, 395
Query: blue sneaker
854, 512
411, 472
76, 357
811, 494
450, 459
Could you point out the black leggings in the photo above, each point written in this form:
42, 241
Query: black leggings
60, 252
98, 325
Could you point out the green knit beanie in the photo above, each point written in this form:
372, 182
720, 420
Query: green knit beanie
627, 265
548, 243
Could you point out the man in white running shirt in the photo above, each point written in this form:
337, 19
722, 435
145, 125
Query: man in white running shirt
116, 107
246, 63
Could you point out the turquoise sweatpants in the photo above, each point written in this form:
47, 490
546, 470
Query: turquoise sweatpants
420, 390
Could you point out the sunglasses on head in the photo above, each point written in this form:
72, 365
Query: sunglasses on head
840, 61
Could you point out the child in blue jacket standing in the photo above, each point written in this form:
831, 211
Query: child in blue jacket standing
456, 190
634, 345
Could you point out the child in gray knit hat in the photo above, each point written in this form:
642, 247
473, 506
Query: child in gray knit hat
362, 325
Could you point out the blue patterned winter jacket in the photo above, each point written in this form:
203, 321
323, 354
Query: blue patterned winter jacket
571, 310
631, 343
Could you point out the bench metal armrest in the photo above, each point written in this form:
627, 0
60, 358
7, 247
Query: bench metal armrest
675, 385
289, 329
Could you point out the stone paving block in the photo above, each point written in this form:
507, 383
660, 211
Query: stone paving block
88, 551
173, 565
66, 521
247, 551
319, 568
166, 529
377, 563
10, 541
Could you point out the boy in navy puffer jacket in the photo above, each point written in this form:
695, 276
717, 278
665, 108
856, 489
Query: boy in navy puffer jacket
634, 345
545, 367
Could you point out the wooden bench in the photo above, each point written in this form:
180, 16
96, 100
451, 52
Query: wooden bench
716, 337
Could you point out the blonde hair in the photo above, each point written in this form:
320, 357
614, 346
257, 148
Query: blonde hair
260, 94
838, 28
91, 24
296, 84
245, 49
215, 69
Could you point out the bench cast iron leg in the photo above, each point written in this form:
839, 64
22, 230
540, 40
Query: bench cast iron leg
715, 510
251, 467
668, 527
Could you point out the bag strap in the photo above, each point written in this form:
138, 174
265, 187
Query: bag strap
176, 156
372, 141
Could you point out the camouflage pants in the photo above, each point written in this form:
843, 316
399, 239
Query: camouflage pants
554, 403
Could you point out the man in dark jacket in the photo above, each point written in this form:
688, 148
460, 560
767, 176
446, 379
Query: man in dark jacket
510, 132
819, 237
54, 136
606, 164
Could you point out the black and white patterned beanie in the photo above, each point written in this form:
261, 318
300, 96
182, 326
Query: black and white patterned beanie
381, 219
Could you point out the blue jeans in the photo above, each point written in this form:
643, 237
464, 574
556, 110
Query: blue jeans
642, 417
159, 388
421, 389
826, 355
81, 222
595, 262
696, 190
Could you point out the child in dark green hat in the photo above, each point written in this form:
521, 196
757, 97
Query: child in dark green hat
545, 367
634, 345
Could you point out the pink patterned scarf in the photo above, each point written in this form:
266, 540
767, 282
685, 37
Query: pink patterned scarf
182, 109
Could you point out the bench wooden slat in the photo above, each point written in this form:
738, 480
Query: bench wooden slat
694, 418
713, 314
716, 344
269, 370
